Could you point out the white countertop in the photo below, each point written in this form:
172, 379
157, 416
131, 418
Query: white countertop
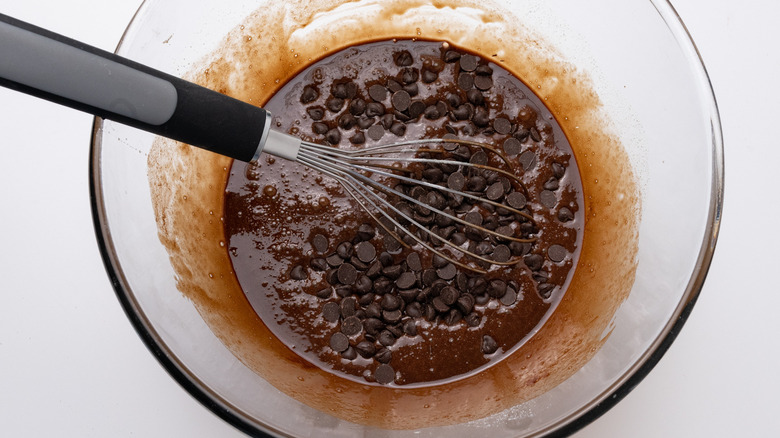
72, 365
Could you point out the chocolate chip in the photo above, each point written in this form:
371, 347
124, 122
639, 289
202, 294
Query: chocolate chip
383, 355
363, 284
401, 100
298, 273
365, 251
413, 262
409, 75
501, 253
394, 86
451, 56
429, 276
454, 100
398, 128
351, 326
358, 138
320, 243
475, 96
516, 200
432, 112
346, 121
465, 81
331, 312
468, 62
333, 136
347, 274
324, 293
384, 374
556, 253
484, 83
495, 191
344, 250
535, 136
447, 272
316, 112
496, 288
512, 146
453, 317
416, 109
449, 295
386, 338
319, 128
365, 349
484, 70
520, 248
565, 215
392, 316
462, 112
429, 76
406, 280
414, 310
481, 117
528, 160
439, 305
376, 132
334, 104
403, 59
465, 303
339, 342
558, 170
502, 125
472, 319
348, 307
545, 290
386, 258
392, 272
310, 94
479, 158
339, 90
349, 353
365, 122
509, 298
319, 265
357, 107
343, 290
548, 198
551, 184
412, 89
432, 174
477, 183
378, 93
439, 261
410, 328
334, 260
533, 261
489, 345
332, 276
456, 181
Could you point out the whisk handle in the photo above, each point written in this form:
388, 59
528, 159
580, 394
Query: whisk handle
50, 66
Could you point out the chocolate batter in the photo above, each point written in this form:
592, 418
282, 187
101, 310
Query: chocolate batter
277, 214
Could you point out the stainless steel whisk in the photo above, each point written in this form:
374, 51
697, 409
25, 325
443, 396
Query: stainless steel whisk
47, 65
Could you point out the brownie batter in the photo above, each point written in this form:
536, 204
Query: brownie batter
346, 296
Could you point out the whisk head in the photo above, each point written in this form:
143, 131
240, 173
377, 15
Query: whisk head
429, 192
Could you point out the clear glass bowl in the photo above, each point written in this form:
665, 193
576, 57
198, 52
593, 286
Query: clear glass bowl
656, 91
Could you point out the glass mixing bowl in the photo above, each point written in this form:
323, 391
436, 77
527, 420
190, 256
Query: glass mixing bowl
655, 89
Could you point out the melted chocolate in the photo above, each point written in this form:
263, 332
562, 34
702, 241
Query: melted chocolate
274, 208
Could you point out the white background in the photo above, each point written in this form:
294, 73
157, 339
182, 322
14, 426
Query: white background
72, 365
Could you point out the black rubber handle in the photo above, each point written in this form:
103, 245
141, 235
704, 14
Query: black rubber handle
50, 66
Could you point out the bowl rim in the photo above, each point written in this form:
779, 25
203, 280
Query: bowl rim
575, 420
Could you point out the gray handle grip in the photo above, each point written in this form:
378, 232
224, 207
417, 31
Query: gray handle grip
44, 64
